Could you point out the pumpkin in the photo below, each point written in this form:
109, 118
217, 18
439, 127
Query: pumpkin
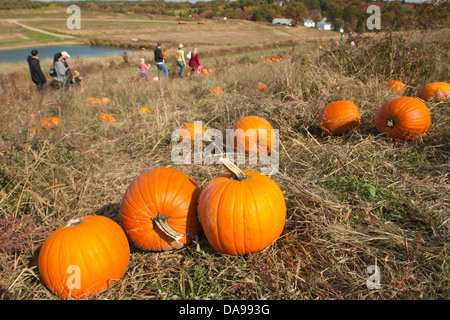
437, 91
181, 22
204, 70
396, 86
241, 211
254, 134
145, 110
403, 118
261, 57
106, 117
93, 100
194, 131
216, 91
159, 210
339, 117
164, 54
188, 74
46, 125
262, 87
200, 22
83, 258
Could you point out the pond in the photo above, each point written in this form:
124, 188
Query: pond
47, 53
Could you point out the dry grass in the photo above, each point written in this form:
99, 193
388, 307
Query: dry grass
352, 201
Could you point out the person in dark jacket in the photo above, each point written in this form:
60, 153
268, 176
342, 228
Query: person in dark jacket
37, 76
159, 61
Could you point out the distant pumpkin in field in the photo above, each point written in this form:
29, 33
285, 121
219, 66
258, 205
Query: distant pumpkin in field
106, 117
216, 91
262, 87
188, 74
46, 125
204, 70
145, 110
396, 86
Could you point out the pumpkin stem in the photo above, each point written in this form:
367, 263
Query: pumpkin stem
390, 123
73, 222
234, 169
161, 223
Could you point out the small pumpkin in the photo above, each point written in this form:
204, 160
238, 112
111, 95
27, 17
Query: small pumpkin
254, 134
241, 211
188, 74
339, 117
216, 91
403, 118
262, 87
159, 210
145, 110
195, 132
106, 117
204, 70
437, 91
83, 258
47, 124
396, 86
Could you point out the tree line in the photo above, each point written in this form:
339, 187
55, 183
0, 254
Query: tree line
349, 14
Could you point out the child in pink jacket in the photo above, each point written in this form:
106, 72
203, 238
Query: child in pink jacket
143, 70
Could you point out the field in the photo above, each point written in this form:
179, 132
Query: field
353, 201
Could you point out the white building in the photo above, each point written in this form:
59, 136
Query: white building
287, 22
309, 23
325, 25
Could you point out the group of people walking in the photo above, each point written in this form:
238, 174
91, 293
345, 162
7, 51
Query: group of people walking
159, 57
64, 78
60, 70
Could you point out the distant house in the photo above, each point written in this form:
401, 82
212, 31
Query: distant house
325, 25
309, 23
286, 22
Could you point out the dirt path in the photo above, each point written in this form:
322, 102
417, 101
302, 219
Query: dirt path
36, 29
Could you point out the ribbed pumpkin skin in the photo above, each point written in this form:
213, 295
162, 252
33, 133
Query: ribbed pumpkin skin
438, 91
403, 118
339, 117
165, 191
396, 86
96, 245
264, 139
240, 217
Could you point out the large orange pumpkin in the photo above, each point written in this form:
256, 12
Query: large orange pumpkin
339, 117
241, 211
159, 210
254, 134
437, 91
83, 258
403, 118
396, 86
